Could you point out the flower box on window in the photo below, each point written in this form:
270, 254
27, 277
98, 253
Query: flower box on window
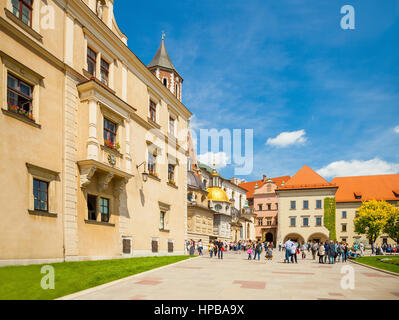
113, 145
153, 173
21, 111
172, 181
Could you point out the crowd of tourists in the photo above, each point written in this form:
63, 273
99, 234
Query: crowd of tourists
328, 251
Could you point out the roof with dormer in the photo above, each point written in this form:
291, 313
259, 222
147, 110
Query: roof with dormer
363, 188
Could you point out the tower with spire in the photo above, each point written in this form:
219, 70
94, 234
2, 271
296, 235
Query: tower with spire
162, 67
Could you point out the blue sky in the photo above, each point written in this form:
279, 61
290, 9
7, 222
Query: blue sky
284, 66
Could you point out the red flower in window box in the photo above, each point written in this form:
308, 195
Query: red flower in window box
113, 145
21, 111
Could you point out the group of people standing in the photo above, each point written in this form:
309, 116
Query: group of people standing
330, 250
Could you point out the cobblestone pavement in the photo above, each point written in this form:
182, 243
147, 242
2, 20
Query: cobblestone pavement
235, 277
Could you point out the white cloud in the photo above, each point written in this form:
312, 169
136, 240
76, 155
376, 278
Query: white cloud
396, 129
221, 159
358, 168
285, 139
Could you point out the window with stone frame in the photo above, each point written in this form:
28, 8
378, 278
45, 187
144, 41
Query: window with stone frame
153, 111
40, 195
293, 205
343, 226
171, 173
268, 221
110, 133
292, 221
305, 204
152, 159
104, 209
22, 9
305, 221
318, 204
318, 221
91, 207
91, 61
104, 72
162, 220
19, 96
260, 221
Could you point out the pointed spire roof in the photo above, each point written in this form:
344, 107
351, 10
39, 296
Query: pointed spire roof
161, 58
306, 178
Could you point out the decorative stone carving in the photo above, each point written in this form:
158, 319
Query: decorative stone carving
104, 181
119, 186
85, 176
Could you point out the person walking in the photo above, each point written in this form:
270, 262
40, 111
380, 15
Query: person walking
210, 248
200, 247
258, 250
361, 247
321, 253
315, 248
249, 251
279, 246
345, 252
220, 250
303, 249
326, 245
331, 252
288, 245
294, 252
372, 247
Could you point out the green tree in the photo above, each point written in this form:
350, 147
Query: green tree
392, 224
371, 218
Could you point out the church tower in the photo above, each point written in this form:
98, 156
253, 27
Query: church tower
162, 67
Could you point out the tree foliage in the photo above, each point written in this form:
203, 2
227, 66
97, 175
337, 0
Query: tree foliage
329, 217
371, 219
392, 224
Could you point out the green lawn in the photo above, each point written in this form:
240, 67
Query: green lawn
23, 282
390, 263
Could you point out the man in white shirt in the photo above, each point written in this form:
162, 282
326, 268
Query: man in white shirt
288, 245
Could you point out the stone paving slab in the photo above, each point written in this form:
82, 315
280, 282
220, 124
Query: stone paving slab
235, 277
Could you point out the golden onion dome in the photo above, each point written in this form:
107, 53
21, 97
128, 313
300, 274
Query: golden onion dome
217, 194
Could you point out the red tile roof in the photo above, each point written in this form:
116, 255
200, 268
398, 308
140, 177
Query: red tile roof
306, 178
378, 187
250, 186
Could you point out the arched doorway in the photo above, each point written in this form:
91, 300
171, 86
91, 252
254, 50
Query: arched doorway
318, 237
295, 237
269, 237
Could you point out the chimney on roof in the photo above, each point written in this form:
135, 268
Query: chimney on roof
264, 178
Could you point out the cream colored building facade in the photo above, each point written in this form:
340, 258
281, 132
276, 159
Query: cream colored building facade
93, 121
300, 223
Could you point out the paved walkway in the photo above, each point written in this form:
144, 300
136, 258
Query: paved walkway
235, 277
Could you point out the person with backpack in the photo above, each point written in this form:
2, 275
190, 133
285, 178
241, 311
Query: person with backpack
249, 251
315, 248
258, 250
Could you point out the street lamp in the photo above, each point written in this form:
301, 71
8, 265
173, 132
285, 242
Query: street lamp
144, 174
